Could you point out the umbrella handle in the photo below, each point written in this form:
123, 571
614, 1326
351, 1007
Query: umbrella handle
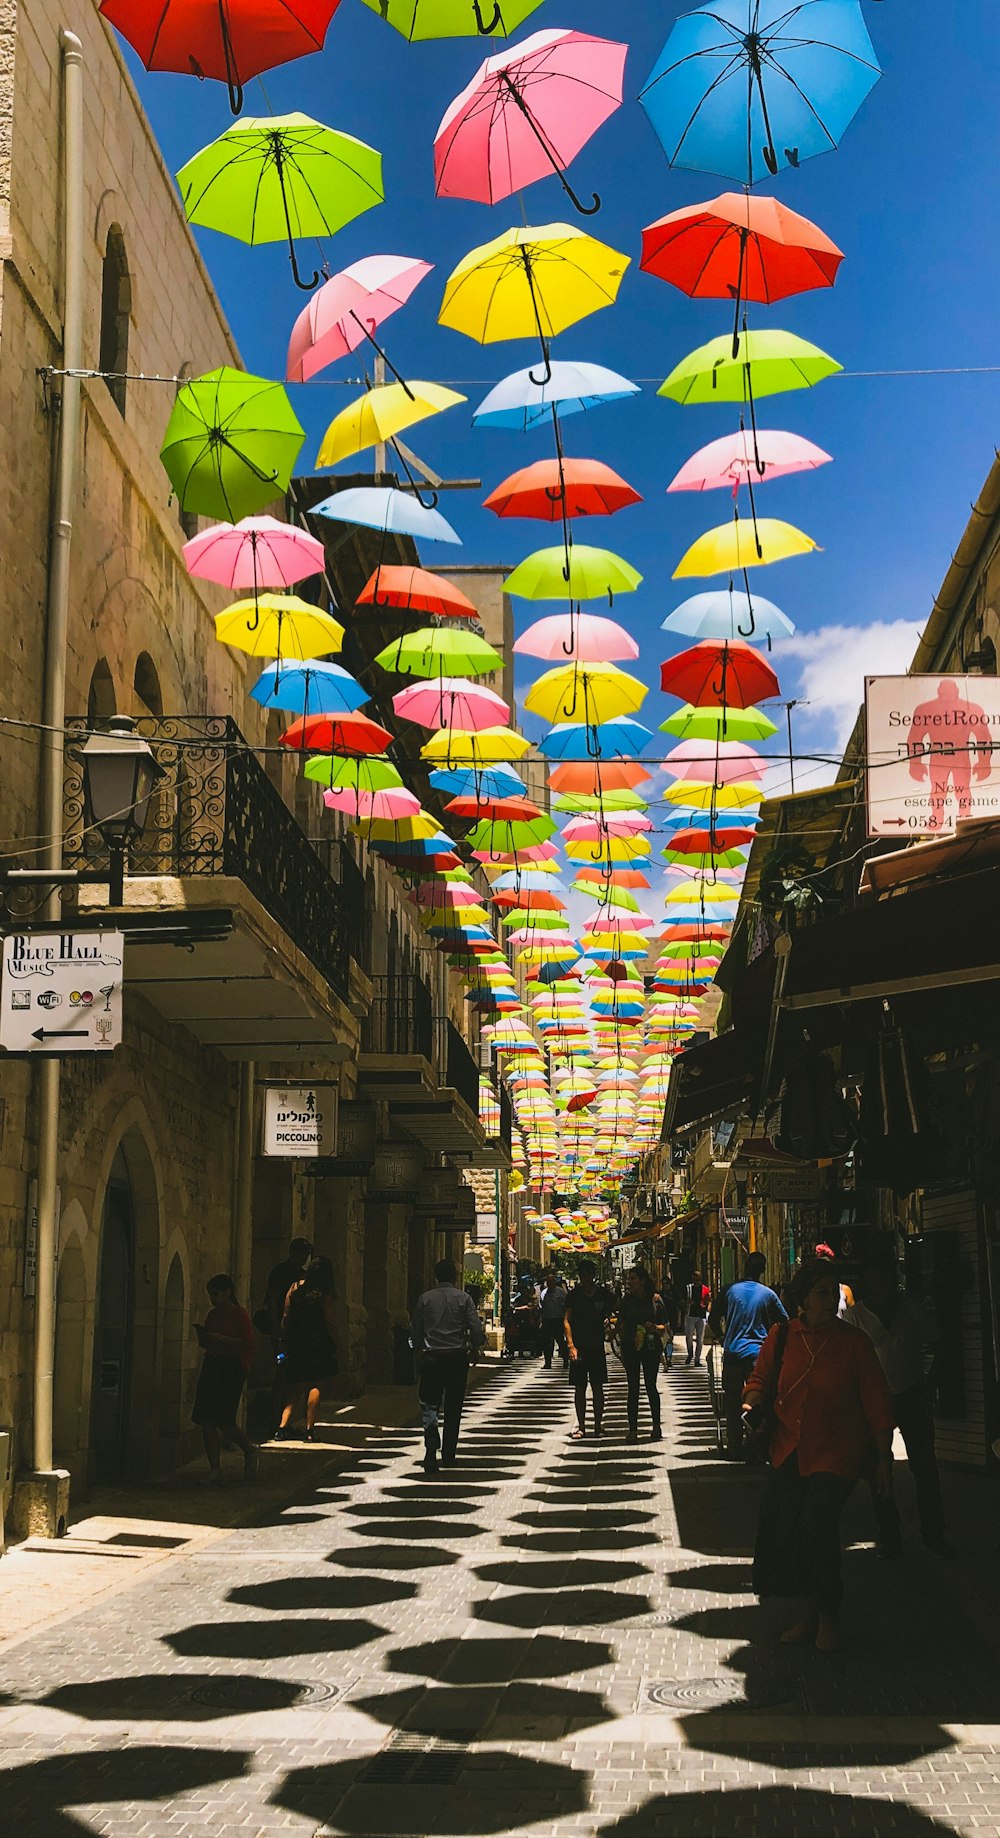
749, 632
541, 381
486, 27
233, 83
306, 286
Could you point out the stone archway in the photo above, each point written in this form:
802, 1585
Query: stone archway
130, 1209
71, 1387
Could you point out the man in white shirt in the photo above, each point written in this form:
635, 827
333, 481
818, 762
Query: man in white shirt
444, 1328
904, 1335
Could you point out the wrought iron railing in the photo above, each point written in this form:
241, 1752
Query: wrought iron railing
400, 1019
216, 812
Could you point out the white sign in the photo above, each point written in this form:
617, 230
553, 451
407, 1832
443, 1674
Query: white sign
930, 757
486, 1228
61, 992
300, 1120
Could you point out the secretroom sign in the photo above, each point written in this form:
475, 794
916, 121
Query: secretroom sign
933, 753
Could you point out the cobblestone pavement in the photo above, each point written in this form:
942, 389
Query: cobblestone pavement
553, 1638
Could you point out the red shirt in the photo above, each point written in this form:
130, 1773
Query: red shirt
233, 1323
832, 1399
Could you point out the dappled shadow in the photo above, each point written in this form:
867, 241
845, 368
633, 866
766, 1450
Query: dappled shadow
412, 1506
156, 1696
391, 1557
493, 1662
37, 1795
488, 1794
420, 1528
718, 1579
579, 1541
270, 1639
593, 1496
326, 1592
719, 1519
561, 1572
582, 1519
746, 1812
442, 1488
525, 1710
567, 1608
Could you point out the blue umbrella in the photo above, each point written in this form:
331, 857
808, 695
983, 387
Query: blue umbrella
804, 68
518, 402
382, 507
669, 823
310, 688
429, 845
729, 614
620, 738
492, 782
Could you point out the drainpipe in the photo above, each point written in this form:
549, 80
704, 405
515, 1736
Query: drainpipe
243, 1224
54, 711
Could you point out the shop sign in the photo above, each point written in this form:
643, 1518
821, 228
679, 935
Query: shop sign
929, 755
486, 1228
398, 1172
61, 992
300, 1120
357, 1135
790, 1185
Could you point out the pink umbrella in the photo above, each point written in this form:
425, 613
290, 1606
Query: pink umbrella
735, 876
612, 918
526, 114
741, 459
539, 852
452, 702
591, 829
584, 636
394, 803
716, 762
447, 893
347, 309
258, 552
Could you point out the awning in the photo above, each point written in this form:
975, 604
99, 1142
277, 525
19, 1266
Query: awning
706, 1080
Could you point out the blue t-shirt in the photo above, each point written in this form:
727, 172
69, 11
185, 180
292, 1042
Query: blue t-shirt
750, 1310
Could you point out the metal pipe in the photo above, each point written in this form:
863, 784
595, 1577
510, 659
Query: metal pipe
243, 1223
54, 714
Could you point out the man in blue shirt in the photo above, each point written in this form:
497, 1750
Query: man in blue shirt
749, 1310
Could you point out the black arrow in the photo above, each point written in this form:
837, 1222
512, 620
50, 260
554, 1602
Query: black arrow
58, 1033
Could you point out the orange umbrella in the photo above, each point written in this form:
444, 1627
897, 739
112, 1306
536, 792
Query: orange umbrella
553, 489
588, 777
415, 590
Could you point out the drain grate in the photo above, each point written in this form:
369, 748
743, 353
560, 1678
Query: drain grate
417, 1760
261, 1694
698, 1693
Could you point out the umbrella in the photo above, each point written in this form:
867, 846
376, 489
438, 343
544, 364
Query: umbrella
737, 459
383, 412
585, 574
742, 724
439, 651
531, 281
594, 777
521, 402
586, 637
737, 545
221, 38
453, 18
746, 84
485, 748
310, 688
552, 490
395, 802
611, 802
230, 444
729, 614
595, 692
526, 114
728, 761
474, 808
258, 552
451, 702
276, 176
618, 737
364, 776
415, 590
278, 625
492, 782
709, 797
723, 671
383, 507
347, 310
768, 363
337, 734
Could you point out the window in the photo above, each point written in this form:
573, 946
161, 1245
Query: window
146, 684
101, 695
116, 309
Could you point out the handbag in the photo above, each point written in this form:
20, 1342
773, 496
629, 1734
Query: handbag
762, 1420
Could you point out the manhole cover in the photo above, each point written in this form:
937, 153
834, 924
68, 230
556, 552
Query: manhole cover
261, 1694
695, 1693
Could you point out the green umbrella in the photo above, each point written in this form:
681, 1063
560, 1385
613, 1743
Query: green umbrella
502, 836
768, 363
580, 803
439, 651
231, 444
342, 774
453, 18
278, 176
715, 724
590, 574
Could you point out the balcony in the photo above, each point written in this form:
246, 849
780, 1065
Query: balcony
420, 1065
224, 870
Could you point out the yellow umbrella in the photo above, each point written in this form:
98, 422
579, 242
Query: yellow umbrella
398, 829
590, 693
278, 625
702, 796
486, 748
531, 281
381, 413
737, 545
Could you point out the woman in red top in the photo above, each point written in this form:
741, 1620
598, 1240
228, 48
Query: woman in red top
831, 1404
227, 1341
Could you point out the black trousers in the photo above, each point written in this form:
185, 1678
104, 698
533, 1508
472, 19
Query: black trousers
441, 1390
798, 1541
915, 1418
647, 1367
553, 1335
735, 1372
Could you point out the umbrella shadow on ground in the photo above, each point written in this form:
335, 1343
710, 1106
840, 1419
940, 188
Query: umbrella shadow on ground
594, 1496
582, 1519
474, 1711
484, 1792
568, 1608
40, 1796
579, 1541
561, 1572
288, 1593
746, 1812
439, 1489
719, 1520
718, 1579
270, 1639
419, 1528
412, 1506
157, 1696
391, 1557
496, 1662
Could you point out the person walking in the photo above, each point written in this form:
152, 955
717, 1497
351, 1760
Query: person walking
279, 1281
552, 1309
904, 1336
588, 1310
699, 1301
226, 1337
445, 1330
748, 1310
525, 1318
821, 1396
641, 1324
310, 1348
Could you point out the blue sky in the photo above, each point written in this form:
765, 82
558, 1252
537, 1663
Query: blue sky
911, 199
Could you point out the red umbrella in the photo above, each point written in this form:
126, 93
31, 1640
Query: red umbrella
711, 842
337, 734
514, 810
232, 40
719, 673
416, 590
550, 489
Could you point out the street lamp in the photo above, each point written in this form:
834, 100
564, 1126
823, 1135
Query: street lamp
119, 774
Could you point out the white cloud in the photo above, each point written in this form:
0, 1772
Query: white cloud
833, 663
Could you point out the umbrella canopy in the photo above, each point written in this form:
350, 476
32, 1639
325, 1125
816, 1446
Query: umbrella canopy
486, 748
553, 490
766, 364
439, 651
592, 692
347, 309
729, 614
526, 114
702, 795
726, 672
453, 18
618, 737
592, 573
257, 552
394, 803
279, 626
274, 177
416, 590
384, 411
531, 282
382, 507
451, 702
337, 734
363, 776
737, 545
728, 761
231, 444
497, 781
584, 636
691, 723
594, 777
745, 458
475, 808
744, 87
522, 400
739, 247
313, 687
232, 43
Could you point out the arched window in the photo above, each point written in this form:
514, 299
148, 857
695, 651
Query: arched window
101, 694
146, 684
116, 310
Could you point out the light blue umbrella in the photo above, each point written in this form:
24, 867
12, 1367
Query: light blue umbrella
382, 507
804, 66
310, 688
525, 880
620, 738
668, 823
492, 782
730, 613
518, 402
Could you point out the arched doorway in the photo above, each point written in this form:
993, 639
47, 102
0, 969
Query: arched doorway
113, 1328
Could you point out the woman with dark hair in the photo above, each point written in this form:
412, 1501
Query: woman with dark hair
819, 1394
226, 1338
641, 1324
310, 1351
